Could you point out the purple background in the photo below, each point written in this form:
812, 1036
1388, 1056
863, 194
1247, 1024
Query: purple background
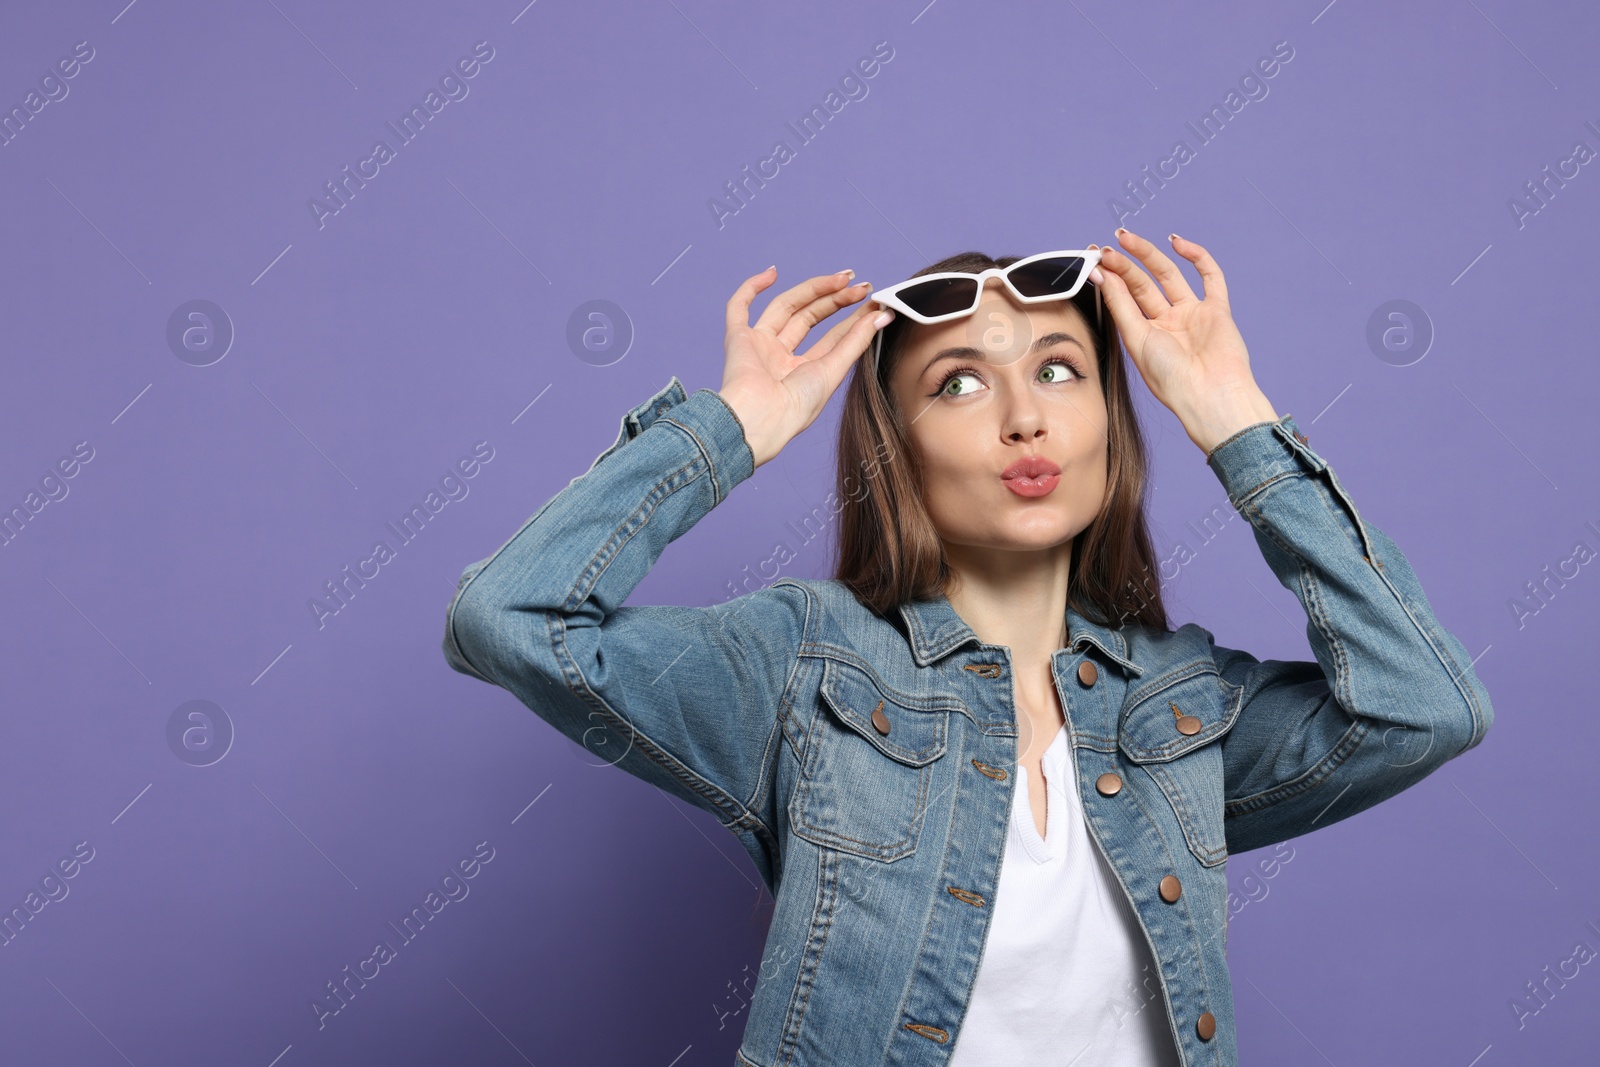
614, 924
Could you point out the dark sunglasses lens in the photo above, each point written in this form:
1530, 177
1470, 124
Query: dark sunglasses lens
940, 296
1044, 277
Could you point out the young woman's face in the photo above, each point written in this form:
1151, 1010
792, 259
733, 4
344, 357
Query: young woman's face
1012, 382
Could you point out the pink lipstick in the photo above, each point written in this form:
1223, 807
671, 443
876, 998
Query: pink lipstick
1031, 476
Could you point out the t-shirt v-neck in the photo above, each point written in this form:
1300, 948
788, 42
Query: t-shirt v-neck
1066, 976
1057, 839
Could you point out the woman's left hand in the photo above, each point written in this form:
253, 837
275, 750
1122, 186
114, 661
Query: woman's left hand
1188, 349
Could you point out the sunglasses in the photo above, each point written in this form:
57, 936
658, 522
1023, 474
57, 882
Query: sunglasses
934, 298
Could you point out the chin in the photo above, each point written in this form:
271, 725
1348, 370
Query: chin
1024, 535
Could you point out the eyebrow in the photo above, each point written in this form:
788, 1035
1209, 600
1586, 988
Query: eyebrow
1049, 340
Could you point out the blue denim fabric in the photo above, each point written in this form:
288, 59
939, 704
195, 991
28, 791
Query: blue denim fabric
862, 760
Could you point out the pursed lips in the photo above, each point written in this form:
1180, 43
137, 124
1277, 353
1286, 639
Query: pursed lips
1031, 476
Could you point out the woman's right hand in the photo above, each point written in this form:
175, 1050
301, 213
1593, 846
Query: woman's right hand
775, 392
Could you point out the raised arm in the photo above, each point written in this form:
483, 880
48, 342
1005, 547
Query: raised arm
1392, 694
543, 615
687, 698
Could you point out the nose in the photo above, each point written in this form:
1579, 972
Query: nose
1022, 418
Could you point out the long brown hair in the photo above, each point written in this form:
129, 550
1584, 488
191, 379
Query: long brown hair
888, 551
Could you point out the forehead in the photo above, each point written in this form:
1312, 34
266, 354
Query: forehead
1003, 329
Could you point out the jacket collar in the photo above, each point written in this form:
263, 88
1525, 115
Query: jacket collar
935, 630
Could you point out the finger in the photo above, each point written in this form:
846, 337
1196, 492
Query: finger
776, 315
1166, 271
827, 341
1211, 281
739, 303
1114, 291
1147, 297
823, 307
835, 362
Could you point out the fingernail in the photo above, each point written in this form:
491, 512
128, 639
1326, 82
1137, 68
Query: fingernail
847, 273
1120, 230
1096, 277
883, 318
1172, 237
773, 267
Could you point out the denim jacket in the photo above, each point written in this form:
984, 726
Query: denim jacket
862, 760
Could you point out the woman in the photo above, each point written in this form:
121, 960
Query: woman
993, 795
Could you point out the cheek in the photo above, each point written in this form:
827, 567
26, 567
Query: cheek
951, 471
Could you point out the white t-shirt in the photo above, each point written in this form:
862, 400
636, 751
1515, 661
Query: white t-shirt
1066, 976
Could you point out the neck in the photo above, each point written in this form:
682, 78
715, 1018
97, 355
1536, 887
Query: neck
1017, 599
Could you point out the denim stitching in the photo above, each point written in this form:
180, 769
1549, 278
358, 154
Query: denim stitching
768, 755
924, 943
1316, 611
1313, 776
875, 851
590, 576
471, 575
1237, 434
920, 757
1180, 673
885, 852
1457, 677
1249, 495
811, 962
1369, 551
1436, 644
1189, 925
766, 839
1336, 490
1180, 806
1230, 696
717, 495
579, 686
587, 579
906, 700
743, 433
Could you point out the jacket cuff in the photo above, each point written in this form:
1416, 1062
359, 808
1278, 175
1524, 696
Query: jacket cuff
708, 421
707, 418
1261, 453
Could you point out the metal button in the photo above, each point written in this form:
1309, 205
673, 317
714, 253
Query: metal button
1188, 725
880, 721
1171, 889
1087, 672
1108, 784
1206, 1026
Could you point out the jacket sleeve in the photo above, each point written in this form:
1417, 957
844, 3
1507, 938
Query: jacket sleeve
686, 698
1392, 694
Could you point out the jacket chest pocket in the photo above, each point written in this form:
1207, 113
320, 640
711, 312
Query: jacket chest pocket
1174, 733
868, 771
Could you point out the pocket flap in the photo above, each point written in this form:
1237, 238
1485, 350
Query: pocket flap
917, 727
1151, 730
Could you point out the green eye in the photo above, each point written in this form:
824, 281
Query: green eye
1054, 372
955, 386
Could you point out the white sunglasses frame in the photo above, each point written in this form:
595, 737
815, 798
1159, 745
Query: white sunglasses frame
887, 297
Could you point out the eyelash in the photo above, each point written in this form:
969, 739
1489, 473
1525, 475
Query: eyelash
957, 371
